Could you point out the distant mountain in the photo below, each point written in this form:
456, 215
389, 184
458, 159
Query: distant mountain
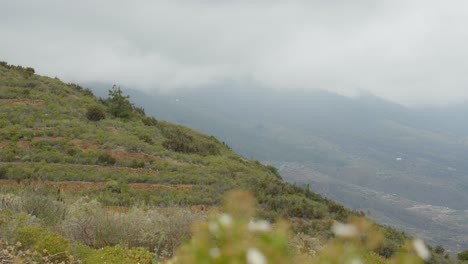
405, 167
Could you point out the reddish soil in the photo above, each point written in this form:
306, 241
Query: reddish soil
4, 144
75, 186
24, 144
22, 101
85, 146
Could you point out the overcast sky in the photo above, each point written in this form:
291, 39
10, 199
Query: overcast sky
412, 52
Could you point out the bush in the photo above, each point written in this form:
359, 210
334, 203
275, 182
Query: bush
149, 121
161, 230
87, 92
146, 138
439, 250
118, 254
44, 242
106, 159
463, 256
29, 71
137, 164
95, 113
44, 208
3, 173
274, 171
180, 141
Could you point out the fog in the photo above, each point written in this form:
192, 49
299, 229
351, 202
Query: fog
410, 52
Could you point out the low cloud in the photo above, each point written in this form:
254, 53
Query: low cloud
412, 52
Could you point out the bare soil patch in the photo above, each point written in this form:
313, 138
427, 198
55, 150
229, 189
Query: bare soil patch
22, 101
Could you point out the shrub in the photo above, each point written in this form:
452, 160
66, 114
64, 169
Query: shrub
44, 242
149, 121
439, 250
274, 171
137, 164
87, 92
95, 113
106, 159
139, 110
29, 71
118, 254
463, 256
180, 141
43, 207
161, 230
3, 173
146, 138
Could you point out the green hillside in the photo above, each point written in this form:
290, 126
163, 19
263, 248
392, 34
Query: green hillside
100, 173
46, 134
404, 167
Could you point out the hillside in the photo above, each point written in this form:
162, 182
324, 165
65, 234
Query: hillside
59, 144
100, 179
46, 135
401, 166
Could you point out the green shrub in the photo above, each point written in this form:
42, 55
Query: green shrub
106, 159
43, 207
3, 173
463, 256
87, 92
180, 141
146, 138
94, 113
46, 243
439, 249
149, 121
137, 164
118, 254
274, 171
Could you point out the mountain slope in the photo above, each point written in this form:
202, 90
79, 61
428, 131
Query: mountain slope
414, 159
45, 134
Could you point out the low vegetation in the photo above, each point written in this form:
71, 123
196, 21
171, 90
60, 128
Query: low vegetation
86, 179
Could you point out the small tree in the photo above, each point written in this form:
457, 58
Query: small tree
119, 105
95, 113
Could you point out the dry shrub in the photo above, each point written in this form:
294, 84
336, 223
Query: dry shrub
161, 230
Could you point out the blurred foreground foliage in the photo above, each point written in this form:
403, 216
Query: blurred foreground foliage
234, 236
87, 232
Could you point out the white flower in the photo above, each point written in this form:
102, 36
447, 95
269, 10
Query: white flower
225, 219
213, 227
262, 225
344, 230
421, 249
215, 252
254, 256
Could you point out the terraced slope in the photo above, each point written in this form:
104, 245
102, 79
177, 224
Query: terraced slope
46, 134
73, 152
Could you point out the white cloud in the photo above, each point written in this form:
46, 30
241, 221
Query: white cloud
408, 51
